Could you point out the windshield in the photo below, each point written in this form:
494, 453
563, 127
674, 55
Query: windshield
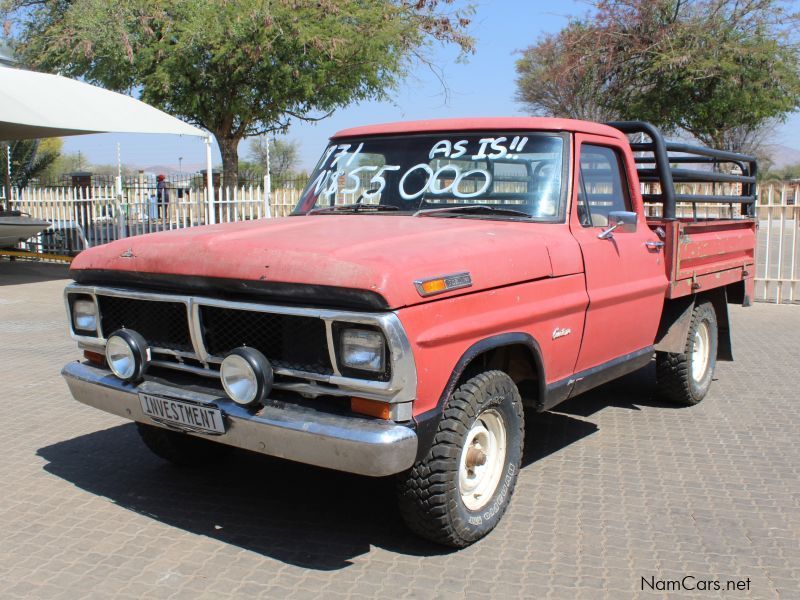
519, 172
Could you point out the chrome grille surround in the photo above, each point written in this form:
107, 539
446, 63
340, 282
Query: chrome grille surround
401, 387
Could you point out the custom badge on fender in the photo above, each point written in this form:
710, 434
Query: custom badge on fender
443, 283
561, 332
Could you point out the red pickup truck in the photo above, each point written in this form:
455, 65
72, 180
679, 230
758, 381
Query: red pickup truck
435, 278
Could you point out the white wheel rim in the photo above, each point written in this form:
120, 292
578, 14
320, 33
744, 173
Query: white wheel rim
482, 460
700, 351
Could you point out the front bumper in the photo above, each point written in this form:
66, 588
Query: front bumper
345, 443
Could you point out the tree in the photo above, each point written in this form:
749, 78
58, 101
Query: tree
788, 173
29, 158
250, 170
279, 156
67, 162
720, 70
238, 68
556, 78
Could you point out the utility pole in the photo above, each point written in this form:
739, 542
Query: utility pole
8, 176
121, 208
268, 183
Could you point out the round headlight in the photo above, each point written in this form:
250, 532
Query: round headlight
126, 354
246, 375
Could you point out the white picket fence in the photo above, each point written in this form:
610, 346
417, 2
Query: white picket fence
186, 209
777, 254
84, 217
778, 242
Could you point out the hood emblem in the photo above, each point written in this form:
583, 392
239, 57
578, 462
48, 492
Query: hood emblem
561, 332
128, 254
442, 284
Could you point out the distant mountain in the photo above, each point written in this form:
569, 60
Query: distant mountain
186, 168
782, 156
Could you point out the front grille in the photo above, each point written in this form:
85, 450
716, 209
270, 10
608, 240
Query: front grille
288, 341
162, 324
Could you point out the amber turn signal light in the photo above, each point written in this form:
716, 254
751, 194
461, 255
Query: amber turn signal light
95, 358
445, 283
372, 408
433, 286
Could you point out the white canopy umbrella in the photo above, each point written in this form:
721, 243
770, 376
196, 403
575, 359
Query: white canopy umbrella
39, 105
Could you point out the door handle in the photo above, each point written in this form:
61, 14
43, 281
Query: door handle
654, 245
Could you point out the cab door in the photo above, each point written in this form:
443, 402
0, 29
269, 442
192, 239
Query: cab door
625, 275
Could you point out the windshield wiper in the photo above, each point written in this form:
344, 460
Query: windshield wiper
355, 207
472, 208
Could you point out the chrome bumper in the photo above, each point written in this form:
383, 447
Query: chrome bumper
351, 444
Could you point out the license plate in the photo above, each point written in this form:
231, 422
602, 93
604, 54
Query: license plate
184, 415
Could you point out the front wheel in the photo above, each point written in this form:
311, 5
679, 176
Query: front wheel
684, 378
459, 491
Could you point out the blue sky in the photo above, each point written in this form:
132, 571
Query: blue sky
483, 86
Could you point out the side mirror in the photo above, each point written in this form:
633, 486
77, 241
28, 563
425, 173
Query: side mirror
621, 221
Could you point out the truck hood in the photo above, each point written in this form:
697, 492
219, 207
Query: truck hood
375, 253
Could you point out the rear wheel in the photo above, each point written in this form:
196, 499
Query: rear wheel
180, 448
685, 378
459, 491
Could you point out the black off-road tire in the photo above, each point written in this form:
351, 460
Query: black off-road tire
674, 371
429, 494
179, 448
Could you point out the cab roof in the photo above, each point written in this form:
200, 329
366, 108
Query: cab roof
482, 124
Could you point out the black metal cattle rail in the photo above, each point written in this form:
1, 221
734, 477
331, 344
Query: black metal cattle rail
657, 165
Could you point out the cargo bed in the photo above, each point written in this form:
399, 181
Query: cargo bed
701, 255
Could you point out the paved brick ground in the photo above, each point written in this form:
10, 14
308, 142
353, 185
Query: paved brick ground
616, 487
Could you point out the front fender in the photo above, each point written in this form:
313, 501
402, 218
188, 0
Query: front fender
446, 334
428, 422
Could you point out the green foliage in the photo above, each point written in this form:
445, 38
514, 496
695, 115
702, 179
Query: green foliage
280, 156
251, 169
238, 68
29, 159
556, 77
788, 173
717, 69
66, 162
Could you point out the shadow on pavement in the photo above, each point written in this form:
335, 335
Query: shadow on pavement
547, 433
294, 513
17, 272
631, 391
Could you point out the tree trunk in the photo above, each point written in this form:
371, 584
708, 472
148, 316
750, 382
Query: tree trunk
229, 148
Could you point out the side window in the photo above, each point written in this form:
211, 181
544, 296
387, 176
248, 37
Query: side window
602, 186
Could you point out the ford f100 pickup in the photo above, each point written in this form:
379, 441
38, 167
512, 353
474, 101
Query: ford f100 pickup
434, 279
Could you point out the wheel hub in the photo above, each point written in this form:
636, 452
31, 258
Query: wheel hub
482, 459
701, 348
476, 457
